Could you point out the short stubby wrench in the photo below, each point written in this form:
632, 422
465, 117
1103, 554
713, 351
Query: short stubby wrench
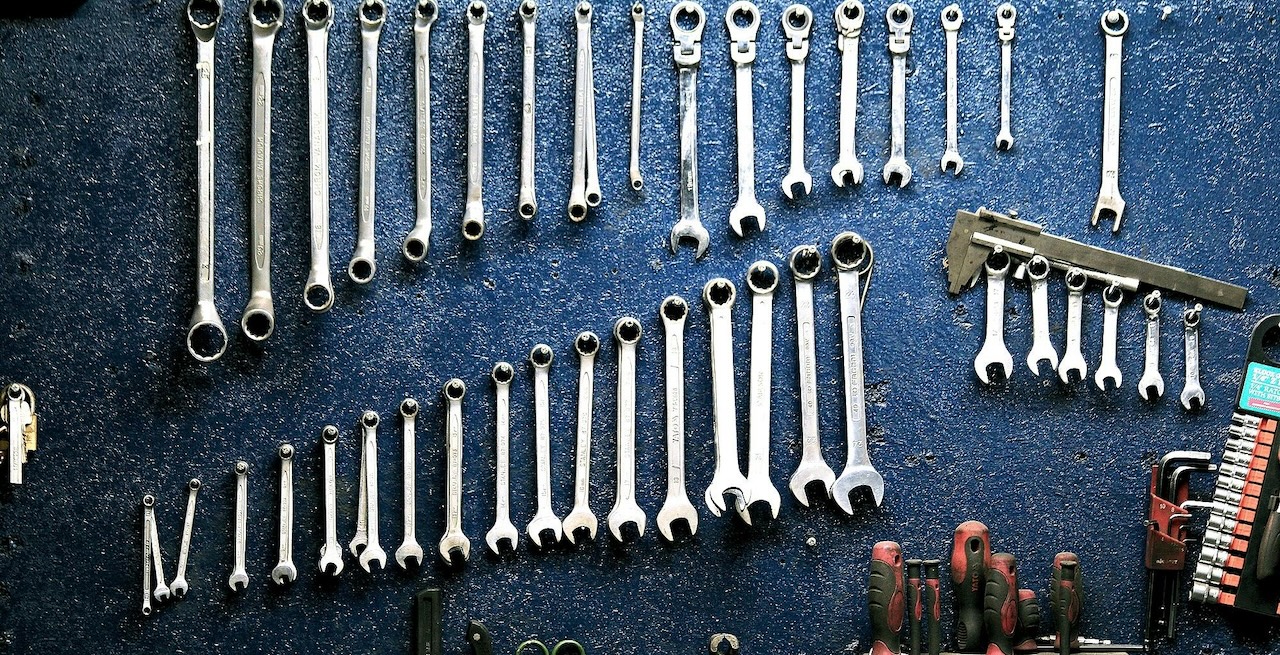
206, 336
1042, 349
284, 570
899, 18
161, 591
687, 50
853, 258
952, 19
259, 318
239, 579
676, 507
455, 548
179, 586
580, 518
718, 296
806, 264
762, 280
544, 519
473, 213
626, 334
1006, 15
317, 16
743, 21
372, 551
1108, 370
330, 552
372, 14
797, 21
527, 205
637, 70
409, 548
1151, 386
1192, 393
994, 356
1073, 356
503, 534
148, 501
418, 242
585, 192
1114, 24
849, 16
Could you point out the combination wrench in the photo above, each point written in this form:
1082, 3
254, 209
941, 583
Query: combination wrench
676, 507
372, 550
1112, 296
797, 21
372, 14
687, 52
1151, 386
806, 264
418, 242
1114, 24
161, 591
1006, 15
503, 531
284, 570
317, 16
637, 69
1192, 393
545, 519
587, 345
528, 202
762, 280
626, 333
899, 18
1042, 349
409, 548
743, 21
952, 19
148, 501
206, 336
259, 319
330, 552
849, 16
179, 585
473, 213
1072, 356
454, 545
853, 258
995, 356
239, 579
586, 175
718, 296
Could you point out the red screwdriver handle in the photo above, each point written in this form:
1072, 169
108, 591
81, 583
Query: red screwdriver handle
1028, 622
1001, 604
970, 557
885, 600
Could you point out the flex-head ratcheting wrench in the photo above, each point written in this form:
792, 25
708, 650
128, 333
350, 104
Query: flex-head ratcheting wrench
1114, 24
503, 530
259, 319
637, 70
372, 14
797, 21
587, 345
418, 242
1042, 349
1192, 393
995, 356
317, 15
899, 18
545, 519
1006, 15
473, 213
806, 263
372, 551
853, 258
687, 51
179, 585
742, 51
206, 336
1072, 356
626, 333
1112, 296
1151, 385
718, 296
330, 551
527, 205
239, 579
952, 19
762, 280
849, 16
284, 570
409, 548
677, 506
454, 545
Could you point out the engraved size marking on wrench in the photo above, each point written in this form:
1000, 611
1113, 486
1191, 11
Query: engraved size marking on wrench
455, 548
743, 21
418, 242
687, 51
718, 296
409, 548
284, 570
206, 336
586, 173
849, 16
545, 519
626, 334
587, 345
1192, 393
372, 14
527, 205
1151, 386
994, 356
179, 585
259, 320
1114, 24
637, 69
503, 533
806, 263
854, 257
1073, 357
239, 579
952, 19
677, 507
161, 591
330, 552
317, 15
372, 551
1042, 349
797, 21
762, 280
1112, 296
1006, 15
473, 213
148, 501
899, 18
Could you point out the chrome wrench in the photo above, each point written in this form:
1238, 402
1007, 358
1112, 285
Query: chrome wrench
317, 16
179, 585
952, 19
372, 14
330, 551
409, 548
806, 264
718, 296
849, 16
587, 345
1112, 296
418, 242
687, 51
1192, 393
285, 571
593, 160
853, 257
762, 280
239, 579
148, 501
899, 18
473, 214
545, 519
528, 201
454, 542
995, 356
637, 68
161, 591
583, 117
259, 319
372, 551
1114, 24
677, 506
1005, 17
626, 333
1151, 385
503, 530
797, 21
1042, 349
1072, 357
742, 51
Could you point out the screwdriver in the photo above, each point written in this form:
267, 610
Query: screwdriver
932, 604
1065, 600
884, 598
1028, 621
970, 557
914, 606
1000, 607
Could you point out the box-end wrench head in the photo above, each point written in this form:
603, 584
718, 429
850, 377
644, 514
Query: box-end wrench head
581, 518
677, 507
1151, 385
995, 356
503, 536
718, 296
545, 521
626, 512
806, 264
853, 258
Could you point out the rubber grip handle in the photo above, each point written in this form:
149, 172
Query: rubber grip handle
1028, 622
1001, 604
915, 606
427, 616
885, 599
1065, 598
933, 605
1269, 551
970, 557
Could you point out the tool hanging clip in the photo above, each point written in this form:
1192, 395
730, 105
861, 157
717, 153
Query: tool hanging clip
17, 428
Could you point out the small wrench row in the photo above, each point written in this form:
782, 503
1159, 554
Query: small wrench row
995, 363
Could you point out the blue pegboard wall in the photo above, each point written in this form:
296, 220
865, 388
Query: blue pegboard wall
97, 199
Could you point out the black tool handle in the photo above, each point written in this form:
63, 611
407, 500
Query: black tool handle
1065, 600
1001, 604
1269, 549
426, 609
933, 604
885, 599
970, 556
1028, 622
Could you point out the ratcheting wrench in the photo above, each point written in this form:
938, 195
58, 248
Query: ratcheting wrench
527, 205
1042, 349
1005, 17
806, 263
148, 501
317, 16
239, 579
330, 551
995, 356
952, 19
762, 280
454, 545
285, 571
854, 257
1192, 394
1114, 24
259, 319
718, 295
1151, 385
179, 585
545, 519
372, 551
587, 344
503, 530
1073, 357
637, 68
418, 242
626, 333
206, 336
742, 51
586, 172
372, 14
899, 18
797, 21
473, 214
849, 16
687, 51
161, 591
1112, 296
677, 506
409, 548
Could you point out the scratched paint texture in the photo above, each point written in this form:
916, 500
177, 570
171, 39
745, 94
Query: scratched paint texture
97, 202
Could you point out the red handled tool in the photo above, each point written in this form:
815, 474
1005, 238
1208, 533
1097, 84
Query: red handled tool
885, 598
1066, 601
1028, 622
915, 606
970, 557
1000, 608
933, 604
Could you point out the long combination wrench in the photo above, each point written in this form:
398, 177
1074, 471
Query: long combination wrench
259, 319
899, 18
952, 19
743, 21
455, 548
637, 70
806, 264
330, 552
1151, 386
1042, 349
1192, 393
587, 345
179, 586
797, 21
473, 213
1114, 24
626, 333
161, 591
239, 578
586, 171
503, 533
284, 570
853, 258
372, 14
372, 550
1108, 370
545, 519
527, 205
206, 336
995, 356
762, 280
1006, 15
1073, 356
148, 501
317, 16
718, 296
418, 242
676, 507
849, 17
687, 51
409, 548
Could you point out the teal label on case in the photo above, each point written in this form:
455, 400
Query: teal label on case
1261, 390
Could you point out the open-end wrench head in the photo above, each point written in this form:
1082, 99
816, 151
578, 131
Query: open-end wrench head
284, 573
622, 515
1151, 386
746, 209
952, 160
797, 179
760, 493
580, 520
409, 550
1109, 205
808, 475
847, 171
731, 483
690, 230
331, 561
238, 581
852, 478
545, 524
674, 511
179, 587
502, 538
897, 169
455, 549
373, 553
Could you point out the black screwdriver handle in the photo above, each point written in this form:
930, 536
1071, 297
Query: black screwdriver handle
1028, 622
1066, 600
1001, 604
885, 599
970, 556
